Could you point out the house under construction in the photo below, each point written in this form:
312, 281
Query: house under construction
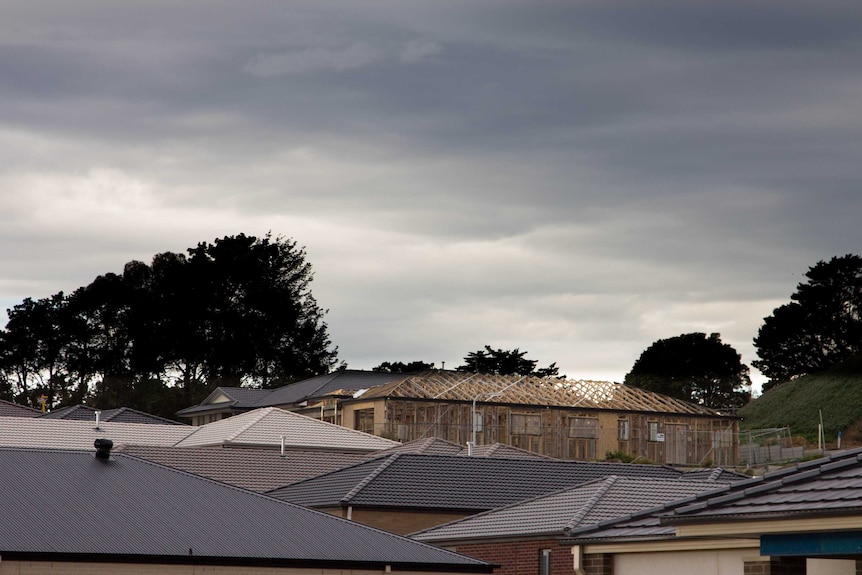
580, 420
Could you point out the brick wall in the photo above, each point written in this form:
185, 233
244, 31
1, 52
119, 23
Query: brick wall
521, 557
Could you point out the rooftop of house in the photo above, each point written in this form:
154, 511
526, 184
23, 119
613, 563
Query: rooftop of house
437, 446
826, 487
523, 390
449, 385
266, 427
557, 513
250, 468
404, 480
344, 382
69, 505
75, 434
119, 414
10, 409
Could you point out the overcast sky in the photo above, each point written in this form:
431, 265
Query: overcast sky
576, 179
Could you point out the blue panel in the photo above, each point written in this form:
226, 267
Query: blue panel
812, 544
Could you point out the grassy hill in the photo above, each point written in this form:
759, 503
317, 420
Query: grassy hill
837, 393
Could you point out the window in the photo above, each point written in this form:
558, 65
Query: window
545, 562
363, 420
623, 430
526, 424
587, 427
652, 427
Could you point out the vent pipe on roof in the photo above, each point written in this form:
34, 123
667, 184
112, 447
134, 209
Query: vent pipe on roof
282, 446
103, 448
98, 414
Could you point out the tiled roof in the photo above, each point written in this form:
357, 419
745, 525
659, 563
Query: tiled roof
828, 486
254, 469
437, 446
119, 415
339, 381
453, 482
69, 505
9, 409
512, 389
239, 398
557, 513
71, 434
266, 427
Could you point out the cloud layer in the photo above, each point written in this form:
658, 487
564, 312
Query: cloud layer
576, 179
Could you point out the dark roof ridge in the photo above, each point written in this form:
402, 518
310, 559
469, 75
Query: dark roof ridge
370, 477
607, 483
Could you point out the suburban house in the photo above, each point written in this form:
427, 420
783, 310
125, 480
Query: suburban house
804, 519
565, 419
404, 492
68, 512
525, 537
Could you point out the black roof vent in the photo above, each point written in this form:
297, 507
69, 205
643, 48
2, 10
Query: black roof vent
103, 448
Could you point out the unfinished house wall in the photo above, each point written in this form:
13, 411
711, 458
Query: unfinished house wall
565, 433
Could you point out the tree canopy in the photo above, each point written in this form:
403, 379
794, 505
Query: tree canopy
695, 368
237, 311
820, 327
401, 367
505, 362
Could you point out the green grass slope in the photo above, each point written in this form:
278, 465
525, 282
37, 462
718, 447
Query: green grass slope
837, 393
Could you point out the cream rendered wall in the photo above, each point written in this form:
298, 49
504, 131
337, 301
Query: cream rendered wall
719, 562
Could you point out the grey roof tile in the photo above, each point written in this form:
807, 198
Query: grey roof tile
345, 380
69, 504
118, 414
554, 514
9, 409
453, 482
71, 434
250, 468
266, 426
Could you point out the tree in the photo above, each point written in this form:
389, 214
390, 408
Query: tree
695, 368
506, 362
400, 367
820, 327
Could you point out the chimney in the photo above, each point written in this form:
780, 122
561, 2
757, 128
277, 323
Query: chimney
103, 448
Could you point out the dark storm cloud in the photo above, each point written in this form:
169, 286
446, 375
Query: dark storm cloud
576, 179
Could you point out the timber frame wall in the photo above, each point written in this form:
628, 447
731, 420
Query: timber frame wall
561, 432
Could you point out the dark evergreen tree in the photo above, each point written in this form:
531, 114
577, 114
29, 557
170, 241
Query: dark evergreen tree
401, 367
505, 362
820, 327
695, 368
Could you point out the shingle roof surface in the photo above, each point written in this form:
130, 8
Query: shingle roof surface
240, 398
452, 482
254, 469
9, 409
69, 502
71, 434
553, 514
266, 426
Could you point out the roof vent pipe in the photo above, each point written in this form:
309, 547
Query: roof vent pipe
98, 415
282, 446
103, 448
